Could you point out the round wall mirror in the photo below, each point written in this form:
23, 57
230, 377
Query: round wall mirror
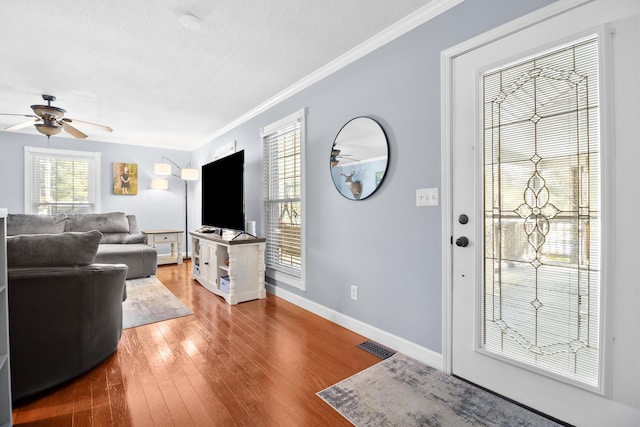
359, 158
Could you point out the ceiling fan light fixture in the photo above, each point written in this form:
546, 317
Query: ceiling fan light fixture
48, 129
49, 120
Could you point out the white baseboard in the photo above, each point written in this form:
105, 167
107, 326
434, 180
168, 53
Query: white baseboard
394, 342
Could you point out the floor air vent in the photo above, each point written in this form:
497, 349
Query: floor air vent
376, 349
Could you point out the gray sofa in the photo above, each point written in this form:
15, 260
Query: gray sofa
65, 311
122, 242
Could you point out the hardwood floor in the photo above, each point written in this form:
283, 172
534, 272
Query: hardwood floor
259, 363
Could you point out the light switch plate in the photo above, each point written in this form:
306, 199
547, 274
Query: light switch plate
427, 197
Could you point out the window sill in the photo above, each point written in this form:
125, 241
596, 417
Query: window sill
283, 278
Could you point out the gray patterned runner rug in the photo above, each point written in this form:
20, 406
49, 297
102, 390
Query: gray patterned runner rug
149, 301
400, 391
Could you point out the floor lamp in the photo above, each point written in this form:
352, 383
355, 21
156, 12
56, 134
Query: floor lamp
186, 174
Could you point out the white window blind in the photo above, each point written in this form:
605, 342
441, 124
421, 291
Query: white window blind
61, 181
282, 195
542, 288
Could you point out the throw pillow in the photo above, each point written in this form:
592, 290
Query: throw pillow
52, 250
35, 224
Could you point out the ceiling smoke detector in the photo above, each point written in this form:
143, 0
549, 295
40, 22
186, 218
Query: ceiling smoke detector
189, 21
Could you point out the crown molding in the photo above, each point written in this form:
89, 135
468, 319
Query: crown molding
387, 35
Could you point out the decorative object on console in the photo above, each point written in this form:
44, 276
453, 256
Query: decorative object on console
251, 228
359, 158
186, 174
125, 178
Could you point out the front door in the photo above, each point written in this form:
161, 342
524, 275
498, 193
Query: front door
527, 158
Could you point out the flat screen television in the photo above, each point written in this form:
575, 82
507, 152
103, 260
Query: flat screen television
223, 192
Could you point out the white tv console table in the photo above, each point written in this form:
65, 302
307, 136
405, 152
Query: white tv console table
232, 269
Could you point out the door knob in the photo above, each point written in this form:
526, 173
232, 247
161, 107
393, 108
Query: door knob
462, 241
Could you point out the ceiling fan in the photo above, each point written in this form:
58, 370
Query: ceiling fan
49, 120
336, 156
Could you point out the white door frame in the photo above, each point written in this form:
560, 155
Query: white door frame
446, 96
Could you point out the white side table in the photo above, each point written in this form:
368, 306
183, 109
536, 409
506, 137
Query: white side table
173, 237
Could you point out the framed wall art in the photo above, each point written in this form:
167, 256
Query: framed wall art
125, 179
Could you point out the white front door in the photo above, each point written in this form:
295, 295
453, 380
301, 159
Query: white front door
527, 157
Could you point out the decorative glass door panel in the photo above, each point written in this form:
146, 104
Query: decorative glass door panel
541, 290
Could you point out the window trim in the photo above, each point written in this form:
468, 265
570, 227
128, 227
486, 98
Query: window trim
28, 157
278, 275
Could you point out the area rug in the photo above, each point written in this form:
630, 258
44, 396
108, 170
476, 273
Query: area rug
149, 301
401, 391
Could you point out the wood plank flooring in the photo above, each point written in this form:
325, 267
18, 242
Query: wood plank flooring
259, 363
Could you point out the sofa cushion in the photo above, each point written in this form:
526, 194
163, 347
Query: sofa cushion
112, 222
52, 250
35, 224
123, 238
133, 224
142, 260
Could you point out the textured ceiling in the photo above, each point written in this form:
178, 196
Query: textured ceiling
132, 65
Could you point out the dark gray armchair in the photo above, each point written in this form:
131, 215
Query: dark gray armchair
63, 321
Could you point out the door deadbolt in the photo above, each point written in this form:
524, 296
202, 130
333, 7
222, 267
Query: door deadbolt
463, 219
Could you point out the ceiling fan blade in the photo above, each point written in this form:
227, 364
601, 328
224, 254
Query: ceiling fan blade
23, 124
73, 131
19, 115
105, 128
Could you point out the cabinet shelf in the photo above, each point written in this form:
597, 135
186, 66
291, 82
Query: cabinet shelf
5, 367
246, 272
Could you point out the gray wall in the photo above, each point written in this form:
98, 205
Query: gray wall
155, 209
385, 245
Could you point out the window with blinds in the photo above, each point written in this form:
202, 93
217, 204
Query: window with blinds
542, 205
282, 196
61, 181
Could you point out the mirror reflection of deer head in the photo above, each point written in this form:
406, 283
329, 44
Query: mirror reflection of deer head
354, 186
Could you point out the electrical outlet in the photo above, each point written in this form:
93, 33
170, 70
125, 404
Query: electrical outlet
354, 292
